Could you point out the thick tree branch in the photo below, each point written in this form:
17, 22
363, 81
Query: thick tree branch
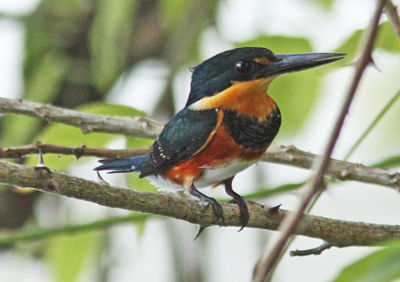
337, 232
316, 184
288, 155
135, 126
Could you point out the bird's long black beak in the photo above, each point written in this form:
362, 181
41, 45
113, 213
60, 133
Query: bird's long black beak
297, 62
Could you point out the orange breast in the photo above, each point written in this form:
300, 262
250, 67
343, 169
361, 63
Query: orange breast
248, 98
221, 149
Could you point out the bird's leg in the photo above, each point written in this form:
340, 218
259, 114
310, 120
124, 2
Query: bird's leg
215, 205
244, 211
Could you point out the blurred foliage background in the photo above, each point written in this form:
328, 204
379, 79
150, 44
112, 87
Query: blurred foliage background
82, 54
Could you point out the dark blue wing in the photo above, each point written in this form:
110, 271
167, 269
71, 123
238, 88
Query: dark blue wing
181, 138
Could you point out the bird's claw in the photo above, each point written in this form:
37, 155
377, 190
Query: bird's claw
217, 208
201, 229
218, 211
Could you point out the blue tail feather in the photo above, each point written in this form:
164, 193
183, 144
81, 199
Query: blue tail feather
131, 164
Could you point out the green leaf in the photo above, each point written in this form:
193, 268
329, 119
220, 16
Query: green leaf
46, 78
52, 28
109, 41
43, 86
173, 12
279, 44
69, 254
327, 4
183, 21
391, 162
66, 135
382, 265
110, 109
294, 93
386, 40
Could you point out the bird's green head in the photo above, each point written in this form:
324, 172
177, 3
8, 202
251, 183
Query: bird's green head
249, 64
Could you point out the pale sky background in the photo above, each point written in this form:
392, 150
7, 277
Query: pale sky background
231, 254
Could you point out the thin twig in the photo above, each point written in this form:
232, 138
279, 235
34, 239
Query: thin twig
20, 151
134, 126
313, 251
267, 262
340, 233
336, 169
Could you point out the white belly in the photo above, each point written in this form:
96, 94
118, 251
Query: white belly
164, 184
211, 176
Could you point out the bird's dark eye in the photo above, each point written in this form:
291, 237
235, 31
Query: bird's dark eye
243, 67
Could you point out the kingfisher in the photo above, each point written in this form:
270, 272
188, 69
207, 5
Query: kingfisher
227, 124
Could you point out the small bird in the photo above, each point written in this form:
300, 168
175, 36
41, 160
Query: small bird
226, 125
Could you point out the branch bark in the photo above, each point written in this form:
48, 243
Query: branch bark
337, 232
287, 155
146, 127
337, 169
314, 251
79, 151
135, 126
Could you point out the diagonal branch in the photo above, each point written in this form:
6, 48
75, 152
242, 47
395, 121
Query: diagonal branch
288, 155
391, 13
337, 232
316, 184
383, 164
135, 126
